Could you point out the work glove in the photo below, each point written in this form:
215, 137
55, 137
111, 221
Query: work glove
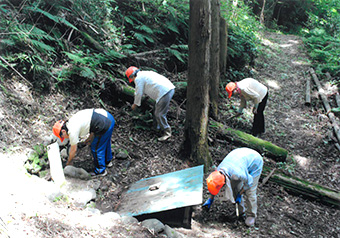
208, 203
238, 198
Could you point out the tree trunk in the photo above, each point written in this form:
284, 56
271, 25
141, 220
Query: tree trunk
307, 189
214, 59
223, 46
196, 124
262, 13
241, 138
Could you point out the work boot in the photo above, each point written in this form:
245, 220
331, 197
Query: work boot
167, 134
250, 221
94, 175
109, 165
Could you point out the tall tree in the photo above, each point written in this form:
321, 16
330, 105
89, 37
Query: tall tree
223, 45
196, 125
214, 58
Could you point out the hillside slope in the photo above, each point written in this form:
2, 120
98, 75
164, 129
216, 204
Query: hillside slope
26, 118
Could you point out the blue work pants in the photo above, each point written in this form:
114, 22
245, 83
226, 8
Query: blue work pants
101, 148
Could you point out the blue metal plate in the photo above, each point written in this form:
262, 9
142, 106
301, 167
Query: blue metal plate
164, 192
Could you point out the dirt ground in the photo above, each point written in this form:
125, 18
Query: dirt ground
304, 131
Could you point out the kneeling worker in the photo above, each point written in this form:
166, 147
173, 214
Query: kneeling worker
157, 87
239, 171
99, 124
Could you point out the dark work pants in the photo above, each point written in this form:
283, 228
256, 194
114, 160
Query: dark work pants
258, 124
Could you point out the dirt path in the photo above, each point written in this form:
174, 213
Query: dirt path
301, 130
304, 132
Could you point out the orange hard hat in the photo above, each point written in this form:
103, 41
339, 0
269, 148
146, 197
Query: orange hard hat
57, 129
230, 88
129, 72
215, 182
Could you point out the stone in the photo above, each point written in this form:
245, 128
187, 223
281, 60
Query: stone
154, 224
111, 216
75, 172
129, 220
171, 233
121, 156
47, 140
63, 153
79, 192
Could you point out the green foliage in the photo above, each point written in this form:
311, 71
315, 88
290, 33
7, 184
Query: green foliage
322, 38
37, 161
242, 36
61, 43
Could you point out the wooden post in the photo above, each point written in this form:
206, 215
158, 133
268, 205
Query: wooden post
326, 104
308, 100
337, 99
337, 96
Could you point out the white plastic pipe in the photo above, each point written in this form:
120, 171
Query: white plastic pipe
56, 167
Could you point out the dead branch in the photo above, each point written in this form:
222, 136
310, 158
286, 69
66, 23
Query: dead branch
264, 181
5, 61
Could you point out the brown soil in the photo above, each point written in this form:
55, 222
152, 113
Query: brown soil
304, 131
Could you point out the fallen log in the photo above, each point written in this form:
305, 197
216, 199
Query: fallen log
308, 190
326, 104
244, 139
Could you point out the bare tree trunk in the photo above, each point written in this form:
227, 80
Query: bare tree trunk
196, 124
214, 58
262, 13
223, 45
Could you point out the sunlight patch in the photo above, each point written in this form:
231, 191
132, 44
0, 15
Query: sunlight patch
1, 114
286, 45
299, 62
302, 161
267, 42
273, 84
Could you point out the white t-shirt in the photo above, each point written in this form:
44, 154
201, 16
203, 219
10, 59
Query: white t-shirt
253, 90
152, 84
79, 124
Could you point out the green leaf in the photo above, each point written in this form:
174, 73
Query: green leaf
87, 73
75, 57
42, 47
54, 18
145, 29
128, 20
172, 27
335, 109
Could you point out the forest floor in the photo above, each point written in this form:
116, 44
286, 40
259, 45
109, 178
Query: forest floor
304, 131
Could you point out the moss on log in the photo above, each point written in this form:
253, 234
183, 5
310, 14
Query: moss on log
311, 191
244, 139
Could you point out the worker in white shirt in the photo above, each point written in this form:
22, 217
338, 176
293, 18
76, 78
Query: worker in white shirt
157, 87
251, 89
98, 125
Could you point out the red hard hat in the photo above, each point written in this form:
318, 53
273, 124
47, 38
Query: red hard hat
130, 71
215, 182
230, 88
57, 128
